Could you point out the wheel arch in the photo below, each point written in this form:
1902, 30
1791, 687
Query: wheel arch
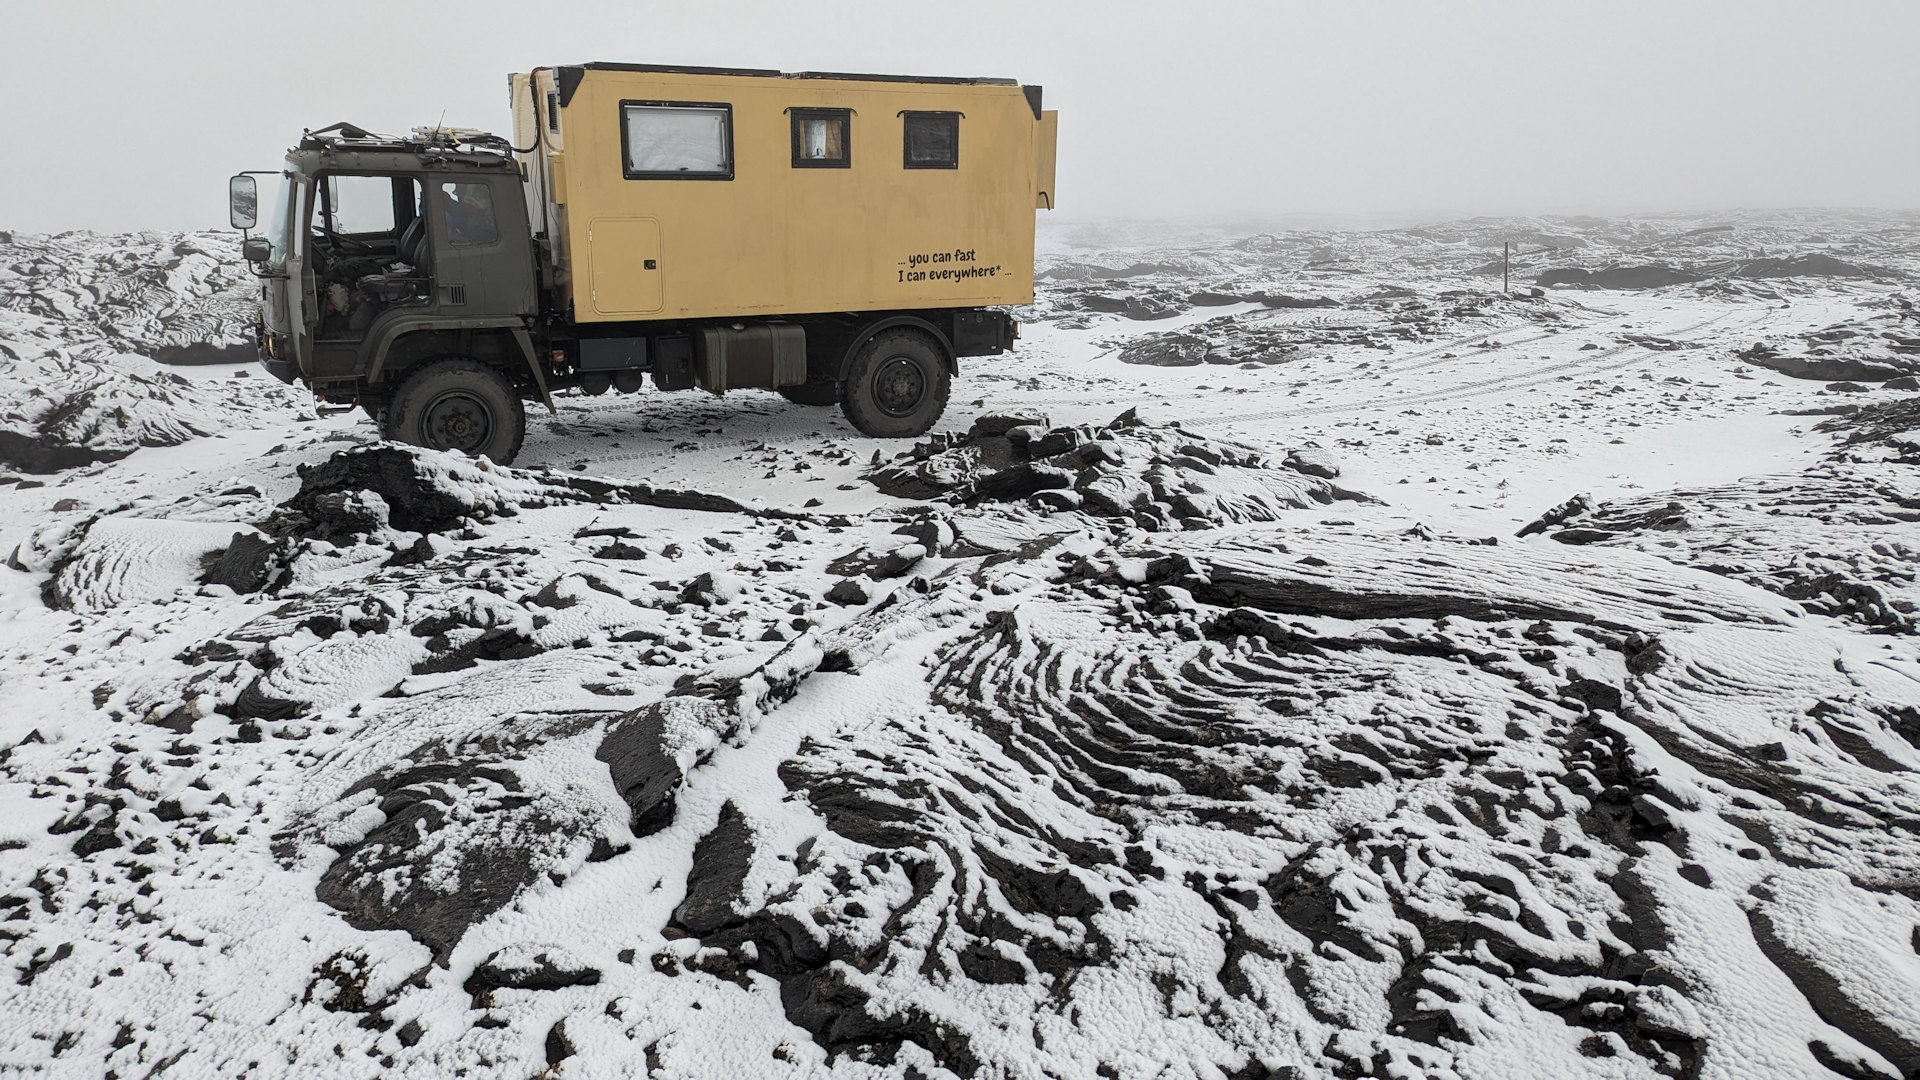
893, 322
394, 350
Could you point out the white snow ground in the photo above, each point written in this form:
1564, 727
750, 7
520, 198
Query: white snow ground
1142, 749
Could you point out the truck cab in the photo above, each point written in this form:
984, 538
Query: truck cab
381, 253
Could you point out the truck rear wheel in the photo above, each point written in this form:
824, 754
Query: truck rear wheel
896, 385
458, 404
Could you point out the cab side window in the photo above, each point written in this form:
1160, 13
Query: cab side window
356, 206
470, 218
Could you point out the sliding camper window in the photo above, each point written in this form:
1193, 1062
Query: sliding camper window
932, 140
676, 140
820, 138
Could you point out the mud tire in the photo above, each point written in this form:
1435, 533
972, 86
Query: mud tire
896, 385
458, 404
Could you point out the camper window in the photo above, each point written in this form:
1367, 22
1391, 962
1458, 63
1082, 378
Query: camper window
820, 138
677, 140
932, 140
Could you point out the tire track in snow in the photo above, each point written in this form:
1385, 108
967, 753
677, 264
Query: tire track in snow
1480, 387
1393, 364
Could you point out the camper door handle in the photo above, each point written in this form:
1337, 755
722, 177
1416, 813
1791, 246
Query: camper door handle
650, 264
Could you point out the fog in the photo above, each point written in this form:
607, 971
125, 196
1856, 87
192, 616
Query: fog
128, 116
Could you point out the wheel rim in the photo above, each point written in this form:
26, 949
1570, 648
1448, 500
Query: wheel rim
899, 386
457, 420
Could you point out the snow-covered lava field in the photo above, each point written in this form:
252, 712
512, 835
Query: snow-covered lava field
1298, 659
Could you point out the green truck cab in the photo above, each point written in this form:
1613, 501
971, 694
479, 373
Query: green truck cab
386, 260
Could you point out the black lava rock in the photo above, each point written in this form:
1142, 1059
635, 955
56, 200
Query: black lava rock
998, 424
246, 566
415, 501
720, 863
848, 592
646, 775
545, 971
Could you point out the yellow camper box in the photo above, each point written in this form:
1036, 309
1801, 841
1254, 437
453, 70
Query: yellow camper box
694, 193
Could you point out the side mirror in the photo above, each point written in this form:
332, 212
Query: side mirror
243, 202
256, 250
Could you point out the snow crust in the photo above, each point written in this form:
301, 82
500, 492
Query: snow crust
685, 749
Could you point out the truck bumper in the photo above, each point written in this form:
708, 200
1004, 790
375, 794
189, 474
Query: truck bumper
983, 333
284, 370
270, 347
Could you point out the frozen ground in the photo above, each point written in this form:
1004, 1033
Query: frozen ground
1357, 672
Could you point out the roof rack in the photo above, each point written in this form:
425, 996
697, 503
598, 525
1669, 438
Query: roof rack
347, 136
568, 76
769, 73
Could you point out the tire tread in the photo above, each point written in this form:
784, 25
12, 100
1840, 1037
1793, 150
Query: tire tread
419, 387
864, 415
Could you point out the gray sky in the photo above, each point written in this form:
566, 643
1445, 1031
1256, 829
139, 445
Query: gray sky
130, 116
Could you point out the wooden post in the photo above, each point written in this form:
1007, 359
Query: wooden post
1506, 249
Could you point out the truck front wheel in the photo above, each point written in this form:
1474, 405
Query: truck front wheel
458, 404
896, 385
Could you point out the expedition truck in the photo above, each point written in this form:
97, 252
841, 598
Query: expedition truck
837, 238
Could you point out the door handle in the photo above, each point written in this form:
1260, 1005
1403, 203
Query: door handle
650, 264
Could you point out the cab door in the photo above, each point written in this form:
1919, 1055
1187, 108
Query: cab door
302, 311
483, 265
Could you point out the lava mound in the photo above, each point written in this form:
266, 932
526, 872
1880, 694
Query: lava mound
419, 491
456, 832
1837, 540
1881, 347
80, 315
427, 491
1156, 476
1618, 277
1368, 803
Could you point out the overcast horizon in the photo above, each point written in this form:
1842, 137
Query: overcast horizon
1387, 113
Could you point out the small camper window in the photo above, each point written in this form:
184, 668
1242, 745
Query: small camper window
677, 140
932, 140
820, 138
